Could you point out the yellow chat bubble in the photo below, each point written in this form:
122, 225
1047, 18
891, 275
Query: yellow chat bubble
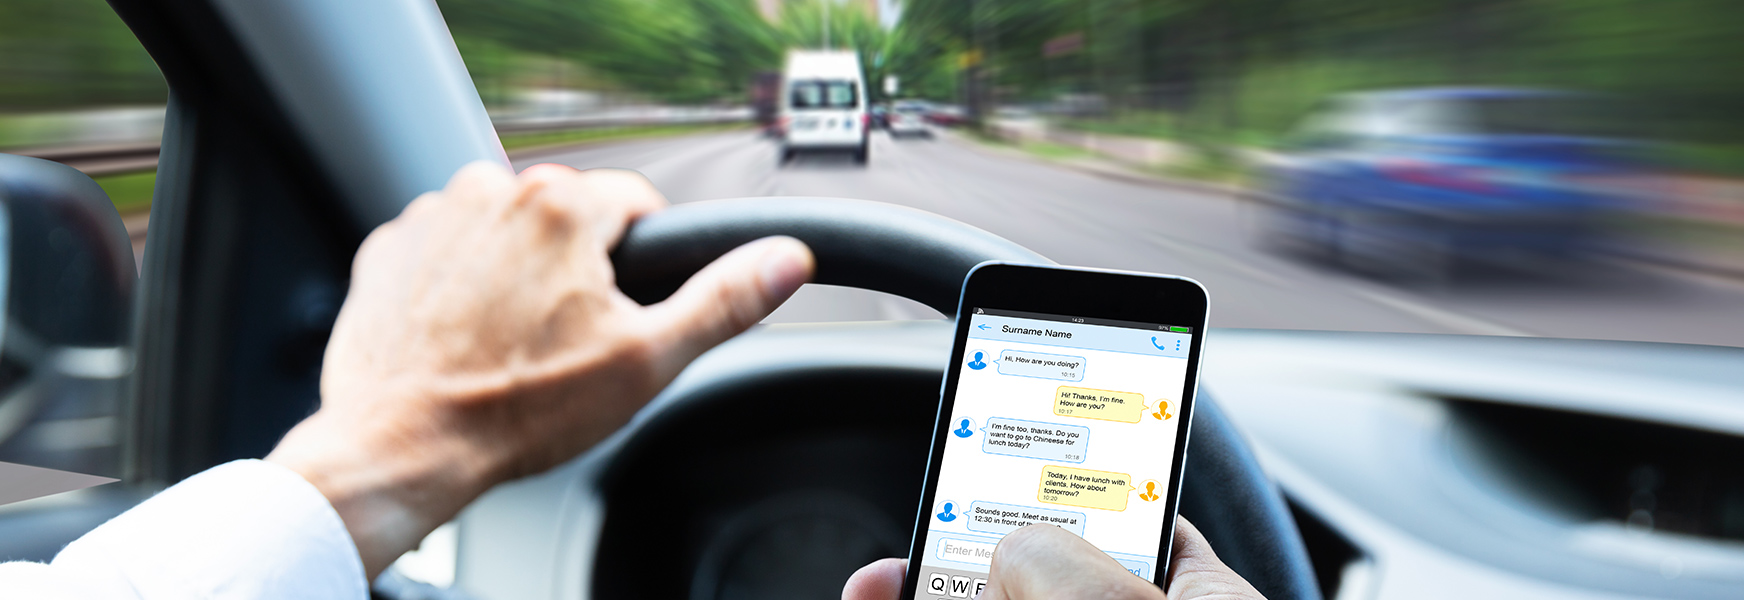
1125, 407
1084, 488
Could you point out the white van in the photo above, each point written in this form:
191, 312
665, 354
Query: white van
823, 104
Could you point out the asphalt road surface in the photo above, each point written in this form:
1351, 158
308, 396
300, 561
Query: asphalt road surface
1080, 218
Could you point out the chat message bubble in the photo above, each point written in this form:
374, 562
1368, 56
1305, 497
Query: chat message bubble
1125, 407
1035, 439
1085, 488
1000, 519
1045, 366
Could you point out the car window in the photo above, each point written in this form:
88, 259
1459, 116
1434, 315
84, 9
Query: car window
75, 86
1554, 115
823, 94
1426, 117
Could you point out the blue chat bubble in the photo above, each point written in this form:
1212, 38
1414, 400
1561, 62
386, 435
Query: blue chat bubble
1045, 366
1000, 519
1051, 442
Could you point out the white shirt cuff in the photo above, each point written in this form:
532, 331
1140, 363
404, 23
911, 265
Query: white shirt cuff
245, 529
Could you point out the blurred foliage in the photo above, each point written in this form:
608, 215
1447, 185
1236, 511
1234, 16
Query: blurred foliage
131, 192
1247, 69
61, 53
681, 50
671, 50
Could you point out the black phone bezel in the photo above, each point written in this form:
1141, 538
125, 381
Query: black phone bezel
1119, 295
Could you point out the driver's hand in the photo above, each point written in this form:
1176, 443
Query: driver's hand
1043, 562
484, 339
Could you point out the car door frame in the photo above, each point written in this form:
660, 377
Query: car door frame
294, 128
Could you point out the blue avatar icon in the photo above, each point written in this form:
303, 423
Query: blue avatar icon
946, 515
977, 364
963, 429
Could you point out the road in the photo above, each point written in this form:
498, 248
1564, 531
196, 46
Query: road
1080, 218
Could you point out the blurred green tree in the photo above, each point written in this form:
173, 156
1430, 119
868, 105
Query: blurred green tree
56, 54
1239, 69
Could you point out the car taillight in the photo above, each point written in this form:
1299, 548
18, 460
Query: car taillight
1454, 177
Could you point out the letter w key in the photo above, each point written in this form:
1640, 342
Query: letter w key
960, 587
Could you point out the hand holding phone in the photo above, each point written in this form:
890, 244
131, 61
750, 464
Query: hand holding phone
1061, 566
1066, 404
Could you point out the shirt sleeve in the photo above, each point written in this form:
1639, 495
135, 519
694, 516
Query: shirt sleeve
244, 530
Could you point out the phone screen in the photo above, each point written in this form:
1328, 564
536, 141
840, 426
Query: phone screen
1057, 419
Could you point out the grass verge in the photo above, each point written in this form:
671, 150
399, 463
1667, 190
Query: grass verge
131, 192
526, 141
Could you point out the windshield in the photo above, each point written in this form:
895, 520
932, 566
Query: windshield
1483, 175
823, 94
1243, 148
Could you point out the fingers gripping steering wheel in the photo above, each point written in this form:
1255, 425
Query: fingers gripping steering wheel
924, 257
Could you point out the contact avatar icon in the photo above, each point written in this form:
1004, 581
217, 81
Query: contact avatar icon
1150, 493
946, 515
963, 429
977, 364
1162, 411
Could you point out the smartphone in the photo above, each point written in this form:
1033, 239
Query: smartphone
1067, 402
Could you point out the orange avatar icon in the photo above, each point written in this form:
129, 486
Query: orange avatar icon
1150, 493
1162, 413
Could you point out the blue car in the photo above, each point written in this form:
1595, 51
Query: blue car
1417, 182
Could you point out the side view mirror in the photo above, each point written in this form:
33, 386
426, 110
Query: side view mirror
67, 279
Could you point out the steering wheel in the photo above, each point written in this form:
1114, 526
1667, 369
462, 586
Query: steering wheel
924, 257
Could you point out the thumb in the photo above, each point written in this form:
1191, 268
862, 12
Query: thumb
1046, 562
1196, 572
728, 296
881, 580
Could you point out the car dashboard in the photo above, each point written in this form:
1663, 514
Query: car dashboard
1465, 466
1417, 466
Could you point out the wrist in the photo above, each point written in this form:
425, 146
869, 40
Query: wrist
389, 490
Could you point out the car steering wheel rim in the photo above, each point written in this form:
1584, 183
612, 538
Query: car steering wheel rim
924, 257
861, 244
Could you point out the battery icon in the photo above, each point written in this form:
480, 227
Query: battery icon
1180, 329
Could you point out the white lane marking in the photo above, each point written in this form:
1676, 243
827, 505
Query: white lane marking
1454, 321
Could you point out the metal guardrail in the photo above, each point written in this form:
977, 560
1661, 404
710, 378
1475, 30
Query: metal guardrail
100, 160
114, 159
